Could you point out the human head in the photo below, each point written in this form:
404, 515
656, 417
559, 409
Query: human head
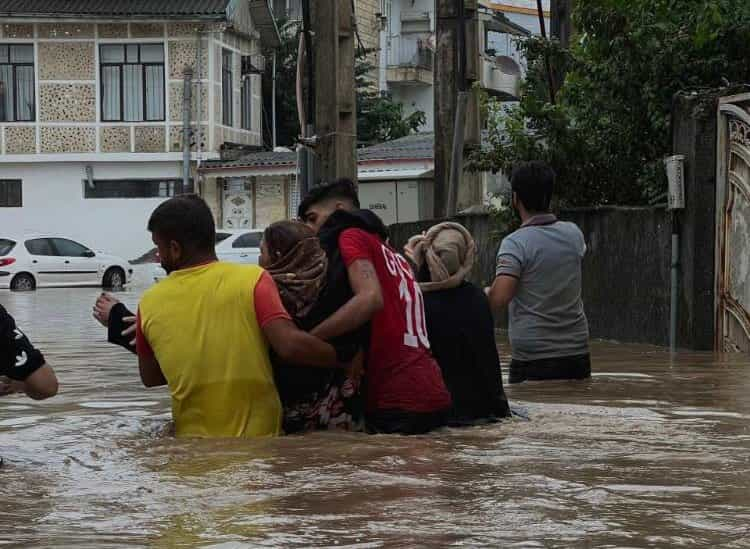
183, 231
533, 184
322, 201
280, 238
443, 256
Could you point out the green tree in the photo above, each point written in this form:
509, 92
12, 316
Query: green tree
379, 117
611, 126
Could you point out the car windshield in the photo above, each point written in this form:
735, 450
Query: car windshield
248, 240
221, 237
6, 246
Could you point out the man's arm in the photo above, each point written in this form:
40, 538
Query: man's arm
367, 301
293, 346
503, 291
42, 384
151, 374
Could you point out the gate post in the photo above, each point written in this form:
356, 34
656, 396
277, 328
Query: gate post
694, 134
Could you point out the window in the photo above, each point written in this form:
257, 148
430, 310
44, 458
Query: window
135, 188
247, 103
220, 237
6, 246
11, 195
68, 248
17, 103
248, 240
132, 78
227, 91
40, 246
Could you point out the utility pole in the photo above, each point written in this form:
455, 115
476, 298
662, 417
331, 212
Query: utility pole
456, 105
561, 13
335, 94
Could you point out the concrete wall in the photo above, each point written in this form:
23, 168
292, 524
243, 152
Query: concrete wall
53, 203
625, 273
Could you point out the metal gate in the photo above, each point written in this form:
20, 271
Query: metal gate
733, 224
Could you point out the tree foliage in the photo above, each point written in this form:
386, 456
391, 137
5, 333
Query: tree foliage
611, 125
379, 117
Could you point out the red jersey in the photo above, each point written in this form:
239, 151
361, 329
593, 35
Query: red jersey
401, 373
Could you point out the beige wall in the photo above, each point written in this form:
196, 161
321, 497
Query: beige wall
68, 89
369, 31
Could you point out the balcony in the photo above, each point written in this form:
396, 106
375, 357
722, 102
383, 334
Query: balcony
501, 77
410, 61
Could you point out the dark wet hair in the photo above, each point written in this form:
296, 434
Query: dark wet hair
341, 189
282, 236
534, 183
186, 219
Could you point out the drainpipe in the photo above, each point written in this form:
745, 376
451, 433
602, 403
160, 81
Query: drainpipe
187, 96
675, 166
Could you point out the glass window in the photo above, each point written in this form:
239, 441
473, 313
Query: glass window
135, 188
248, 240
40, 246
227, 89
11, 193
132, 83
17, 99
68, 248
220, 237
247, 103
6, 246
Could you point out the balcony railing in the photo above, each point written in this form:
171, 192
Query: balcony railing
411, 52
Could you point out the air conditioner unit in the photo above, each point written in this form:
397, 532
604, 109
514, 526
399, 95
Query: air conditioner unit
253, 64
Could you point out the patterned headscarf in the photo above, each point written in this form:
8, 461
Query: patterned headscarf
448, 249
300, 276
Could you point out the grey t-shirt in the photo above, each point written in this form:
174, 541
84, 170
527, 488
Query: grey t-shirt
547, 319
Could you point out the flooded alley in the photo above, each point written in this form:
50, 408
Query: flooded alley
649, 453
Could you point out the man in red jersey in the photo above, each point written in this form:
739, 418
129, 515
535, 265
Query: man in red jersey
405, 389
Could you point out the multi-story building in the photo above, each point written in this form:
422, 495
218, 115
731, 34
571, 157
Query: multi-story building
91, 108
407, 43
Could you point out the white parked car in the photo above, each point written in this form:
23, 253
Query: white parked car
42, 261
233, 246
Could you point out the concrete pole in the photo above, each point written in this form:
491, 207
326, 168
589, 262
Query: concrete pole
456, 108
187, 103
335, 93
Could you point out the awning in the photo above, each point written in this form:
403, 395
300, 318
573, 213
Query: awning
263, 20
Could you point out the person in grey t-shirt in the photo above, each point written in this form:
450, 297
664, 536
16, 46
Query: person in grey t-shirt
538, 277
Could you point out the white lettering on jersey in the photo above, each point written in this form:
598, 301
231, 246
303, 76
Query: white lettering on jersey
411, 296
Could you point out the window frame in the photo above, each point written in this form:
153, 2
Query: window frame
227, 80
5, 193
174, 187
144, 91
15, 66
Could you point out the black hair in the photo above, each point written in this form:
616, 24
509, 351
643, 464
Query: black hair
186, 219
341, 189
534, 183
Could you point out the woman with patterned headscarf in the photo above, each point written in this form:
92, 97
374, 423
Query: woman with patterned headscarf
312, 398
460, 326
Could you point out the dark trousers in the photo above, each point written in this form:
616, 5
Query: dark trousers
405, 423
564, 367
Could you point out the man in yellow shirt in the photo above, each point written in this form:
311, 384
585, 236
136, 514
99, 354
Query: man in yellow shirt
205, 331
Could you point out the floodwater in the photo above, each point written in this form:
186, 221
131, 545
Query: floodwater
649, 453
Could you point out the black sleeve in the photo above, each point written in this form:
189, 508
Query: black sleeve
117, 326
18, 357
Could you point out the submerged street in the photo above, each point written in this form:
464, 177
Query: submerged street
649, 453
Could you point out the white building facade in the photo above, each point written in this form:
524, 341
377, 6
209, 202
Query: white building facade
91, 115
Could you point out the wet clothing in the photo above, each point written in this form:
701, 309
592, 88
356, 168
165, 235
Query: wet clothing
18, 357
405, 423
204, 327
564, 367
546, 317
116, 325
401, 374
462, 333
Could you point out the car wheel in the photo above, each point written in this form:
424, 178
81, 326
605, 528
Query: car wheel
114, 278
23, 282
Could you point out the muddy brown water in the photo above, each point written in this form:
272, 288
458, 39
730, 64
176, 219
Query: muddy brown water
651, 452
